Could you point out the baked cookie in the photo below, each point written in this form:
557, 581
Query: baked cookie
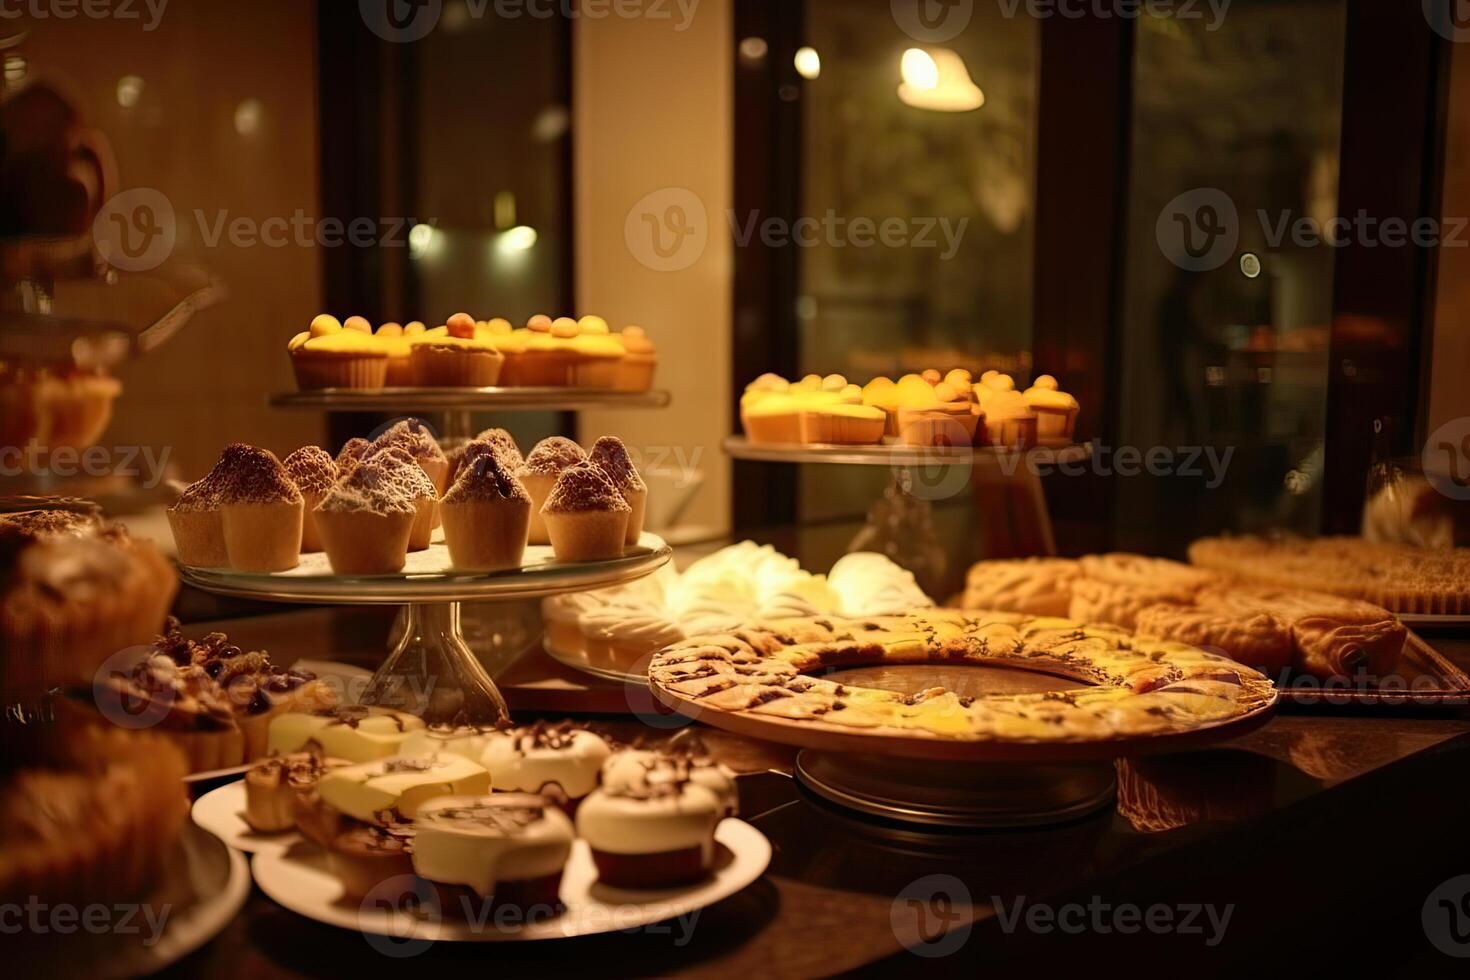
1038, 586
1098, 601
1260, 640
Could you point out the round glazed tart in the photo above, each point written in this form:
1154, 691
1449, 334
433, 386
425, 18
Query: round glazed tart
1139, 687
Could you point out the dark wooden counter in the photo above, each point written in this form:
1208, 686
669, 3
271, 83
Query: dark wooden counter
1325, 834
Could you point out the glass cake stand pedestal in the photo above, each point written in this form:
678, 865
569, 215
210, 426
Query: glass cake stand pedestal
430, 670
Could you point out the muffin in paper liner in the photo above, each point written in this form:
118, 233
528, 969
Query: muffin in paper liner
91, 814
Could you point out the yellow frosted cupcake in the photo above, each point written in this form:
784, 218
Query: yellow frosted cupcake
457, 358
401, 371
1056, 411
640, 361
598, 360
331, 356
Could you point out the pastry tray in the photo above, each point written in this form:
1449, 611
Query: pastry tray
1425, 678
549, 399
428, 577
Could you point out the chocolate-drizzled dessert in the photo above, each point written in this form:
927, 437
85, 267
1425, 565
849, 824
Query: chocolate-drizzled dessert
508, 849
559, 760
651, 824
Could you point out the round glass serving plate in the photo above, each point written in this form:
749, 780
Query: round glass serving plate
450, 399
429, 576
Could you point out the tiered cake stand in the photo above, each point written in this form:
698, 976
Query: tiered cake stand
431, 671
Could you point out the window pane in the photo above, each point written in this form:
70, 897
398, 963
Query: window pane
1226, 348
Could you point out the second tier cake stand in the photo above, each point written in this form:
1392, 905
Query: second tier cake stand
431, 671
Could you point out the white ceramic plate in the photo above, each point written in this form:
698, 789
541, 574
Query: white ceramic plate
203, 888
298, 879
220, 812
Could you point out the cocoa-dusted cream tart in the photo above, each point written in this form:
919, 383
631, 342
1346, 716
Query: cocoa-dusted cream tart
419, 488
415, 437
507, 849
611, 456
196, 520
262, 513
313, 470
548, 459
586, 517
352, 453
365, 521
487, 515
505, 444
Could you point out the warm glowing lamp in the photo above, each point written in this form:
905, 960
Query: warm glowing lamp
938, 80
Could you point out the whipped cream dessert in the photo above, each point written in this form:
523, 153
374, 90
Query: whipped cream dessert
736, 586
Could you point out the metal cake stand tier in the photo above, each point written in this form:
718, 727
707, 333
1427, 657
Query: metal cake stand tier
1004, 459
941, 782
467, 399
431, 671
